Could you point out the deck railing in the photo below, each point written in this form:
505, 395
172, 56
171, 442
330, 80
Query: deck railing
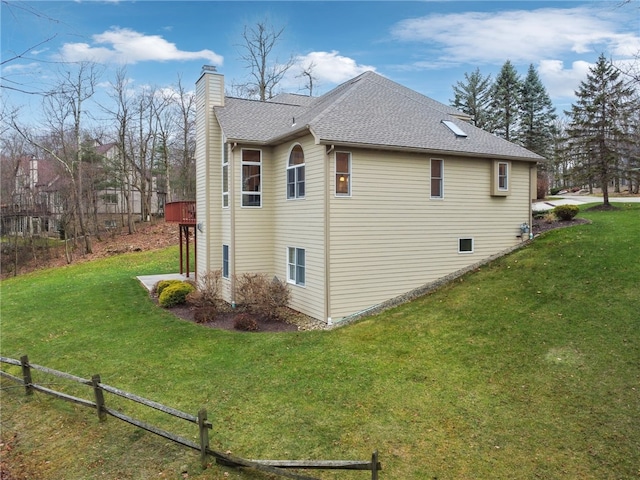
180, 212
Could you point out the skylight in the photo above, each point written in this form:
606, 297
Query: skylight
458, 132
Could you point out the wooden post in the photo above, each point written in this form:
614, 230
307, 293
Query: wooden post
26, 374
180, 229
186, 232
100, 407
204, 437
374, 466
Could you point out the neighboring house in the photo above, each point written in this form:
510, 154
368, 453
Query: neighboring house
120, 188
353, 198
35, 206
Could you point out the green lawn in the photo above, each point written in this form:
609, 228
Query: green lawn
527, 368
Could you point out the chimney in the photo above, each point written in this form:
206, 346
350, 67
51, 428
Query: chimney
210, 88
209, 144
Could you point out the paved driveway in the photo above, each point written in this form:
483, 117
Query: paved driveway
578, 200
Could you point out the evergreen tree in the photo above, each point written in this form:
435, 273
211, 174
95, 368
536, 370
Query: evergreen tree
473, 97
505, 102
600, 127
537, 115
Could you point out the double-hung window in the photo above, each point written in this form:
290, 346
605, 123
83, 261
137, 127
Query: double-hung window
251, 178
437, 178
343, 174
296, 265
500, 172
225, 175
503, 176
295, 173
225, 261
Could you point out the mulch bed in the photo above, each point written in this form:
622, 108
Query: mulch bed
226, 321
539, 225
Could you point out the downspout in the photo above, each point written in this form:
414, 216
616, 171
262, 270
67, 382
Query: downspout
232, 224
327, 235
533, 177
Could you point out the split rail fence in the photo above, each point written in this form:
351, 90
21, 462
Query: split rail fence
278, 467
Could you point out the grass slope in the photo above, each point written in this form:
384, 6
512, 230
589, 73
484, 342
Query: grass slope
527, 368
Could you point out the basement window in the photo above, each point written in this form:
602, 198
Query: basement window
296, 265
465, 245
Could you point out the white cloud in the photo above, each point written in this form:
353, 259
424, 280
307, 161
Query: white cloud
329, 69
124, 45
18, 68
518, 35
332, 67
562, 82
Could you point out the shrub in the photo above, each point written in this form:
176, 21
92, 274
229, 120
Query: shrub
162, 284
555, 190
209, 287
195, 298
541, 214
245, 322
566, 212
175, 294
549, 217
259, 295
205, 314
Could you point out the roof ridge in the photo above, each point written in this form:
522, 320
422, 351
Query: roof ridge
342, 91
268, 102
413, 95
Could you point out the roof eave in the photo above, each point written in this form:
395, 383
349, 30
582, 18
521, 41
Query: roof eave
273, 140
430, 151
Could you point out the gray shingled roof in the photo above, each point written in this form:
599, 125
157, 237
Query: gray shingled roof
368, 111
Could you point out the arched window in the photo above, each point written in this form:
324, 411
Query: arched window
295, 173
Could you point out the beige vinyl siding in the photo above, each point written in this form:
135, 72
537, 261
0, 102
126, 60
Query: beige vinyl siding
253, 225
300, 223
390, 237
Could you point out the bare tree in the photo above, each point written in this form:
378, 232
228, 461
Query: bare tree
121, 164
151, 106
257, 49
64, 116
186, 147
310, 78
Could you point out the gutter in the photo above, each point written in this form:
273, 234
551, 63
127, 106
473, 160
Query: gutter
396, 148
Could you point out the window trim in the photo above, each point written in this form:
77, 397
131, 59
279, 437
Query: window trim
225, 261
466, 252
496, 189
225, 176
504, 176
440, 179
296, 170
242, 180
294, 267
348, 173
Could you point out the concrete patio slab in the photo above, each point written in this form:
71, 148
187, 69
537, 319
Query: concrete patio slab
149, 281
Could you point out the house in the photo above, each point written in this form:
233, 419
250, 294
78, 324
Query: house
355, 197
118, 190
34, 206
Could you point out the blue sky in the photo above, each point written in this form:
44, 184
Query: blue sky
427, 46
